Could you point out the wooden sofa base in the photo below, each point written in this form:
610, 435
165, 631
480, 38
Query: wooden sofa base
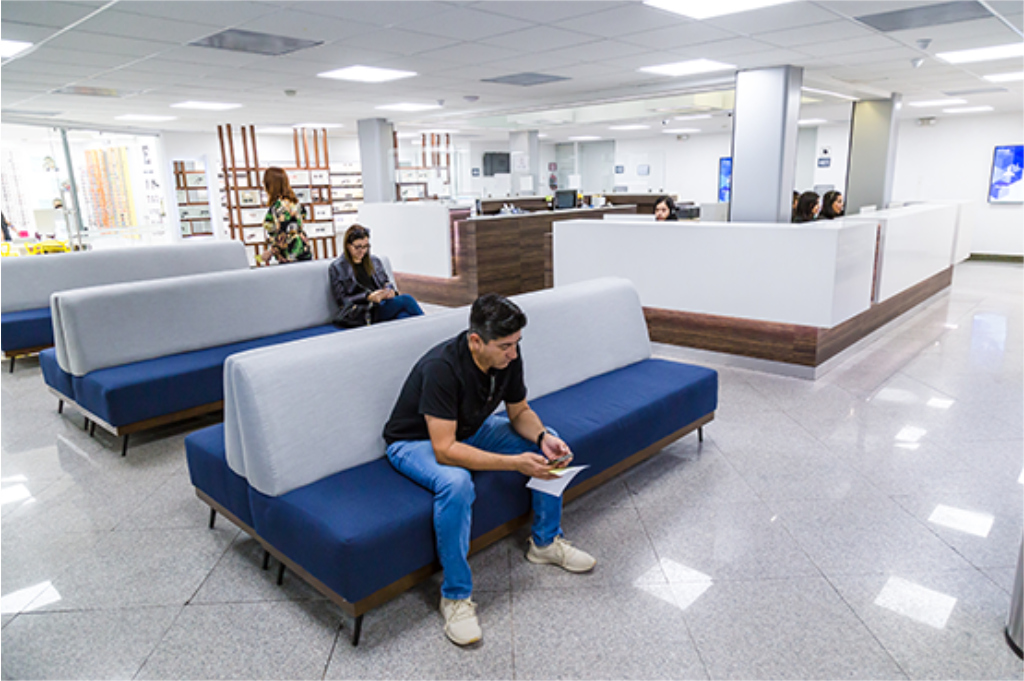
23, 352
410, 580
124, 431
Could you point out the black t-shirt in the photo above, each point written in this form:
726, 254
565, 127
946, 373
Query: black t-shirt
447, 384
363, 277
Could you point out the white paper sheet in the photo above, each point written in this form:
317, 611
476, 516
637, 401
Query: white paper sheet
557, 486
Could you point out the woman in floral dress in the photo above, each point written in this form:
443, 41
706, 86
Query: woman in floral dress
286, 242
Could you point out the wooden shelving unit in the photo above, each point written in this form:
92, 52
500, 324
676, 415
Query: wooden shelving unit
412, 183
310, 177
347, 192
193, 200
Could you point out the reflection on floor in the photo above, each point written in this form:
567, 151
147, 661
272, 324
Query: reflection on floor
862, 526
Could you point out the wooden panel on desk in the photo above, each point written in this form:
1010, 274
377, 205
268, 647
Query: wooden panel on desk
527, 203
644, 202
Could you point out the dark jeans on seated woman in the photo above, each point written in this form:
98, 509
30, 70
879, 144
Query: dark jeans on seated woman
398, 307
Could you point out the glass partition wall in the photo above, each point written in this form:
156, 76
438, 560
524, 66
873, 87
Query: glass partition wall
87, 188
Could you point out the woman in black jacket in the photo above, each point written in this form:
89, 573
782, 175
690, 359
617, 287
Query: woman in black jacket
361, 286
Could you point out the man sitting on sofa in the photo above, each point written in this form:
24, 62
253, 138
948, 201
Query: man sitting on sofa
442, 427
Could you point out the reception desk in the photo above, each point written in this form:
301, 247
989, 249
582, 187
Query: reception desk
794, 294
450, 262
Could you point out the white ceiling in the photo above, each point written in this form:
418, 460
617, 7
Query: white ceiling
140, 48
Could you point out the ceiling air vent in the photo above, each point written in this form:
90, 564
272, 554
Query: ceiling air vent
255, 43
927, 15
525, 79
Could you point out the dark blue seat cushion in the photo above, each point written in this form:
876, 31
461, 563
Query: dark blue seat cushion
26, 329
53, 375
356, 531
609, 417
210, 473
155, 387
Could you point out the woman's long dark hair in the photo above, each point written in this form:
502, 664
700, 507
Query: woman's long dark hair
355, 233
827, 201
805, 207
275, 181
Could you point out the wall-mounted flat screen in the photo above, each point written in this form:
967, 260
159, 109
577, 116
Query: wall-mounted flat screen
496, 163
1005, 183
724, 179
565, 199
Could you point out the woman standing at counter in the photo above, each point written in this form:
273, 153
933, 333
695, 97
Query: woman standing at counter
832, 205
361, 286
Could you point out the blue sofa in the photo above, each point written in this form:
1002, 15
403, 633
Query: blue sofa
299, 464
131, 357
25, 321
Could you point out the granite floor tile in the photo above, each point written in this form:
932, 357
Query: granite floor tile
135, 569
784, 629
247, 641
28, 562
724, 541
405, 639
83, 644
800, 475
946, 625
636, 632
686, 475
864, 536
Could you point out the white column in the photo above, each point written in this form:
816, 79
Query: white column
872, 160
764, 142
377, 155
524, 150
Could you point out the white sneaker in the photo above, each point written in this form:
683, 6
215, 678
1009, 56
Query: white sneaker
563, 554
460, 622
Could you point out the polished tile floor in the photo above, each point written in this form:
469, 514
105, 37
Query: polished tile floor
865, 525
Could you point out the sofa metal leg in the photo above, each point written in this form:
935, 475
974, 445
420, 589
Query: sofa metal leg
11, 370
357, 628
60, 406
280, 575
85, 424
213, 517
700, 434
266, 559
124, 445
92, 429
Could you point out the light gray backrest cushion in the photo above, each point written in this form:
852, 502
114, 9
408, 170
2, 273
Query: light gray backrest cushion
119, 324
576, 332
299, 412
29, 282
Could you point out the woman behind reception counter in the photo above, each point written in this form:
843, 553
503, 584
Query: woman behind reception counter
665, 209
832, 205
807, 207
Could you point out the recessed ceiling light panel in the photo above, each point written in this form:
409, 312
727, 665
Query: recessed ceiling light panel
688, 68
969, 109
983, 54
206, 106
937, 102
705, 9
409, 107
584, 138
93, 91
1005, 77
366, 74
252, 42
681, 131
9, 48
811, 121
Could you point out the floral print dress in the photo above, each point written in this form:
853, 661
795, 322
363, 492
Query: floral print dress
285, 238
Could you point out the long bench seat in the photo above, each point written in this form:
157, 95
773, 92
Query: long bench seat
132, 357
329, 505
25, 321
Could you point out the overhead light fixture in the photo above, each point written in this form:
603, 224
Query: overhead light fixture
145, 118
629, 127
542, 135
9, 48
408, 106
693, 117
584, 138
811, 121
206, 106
680, 131
830, 94
983, 54
318, 125
937, 102
688, 68
1005, 77
969, 109
366, 74
702, 9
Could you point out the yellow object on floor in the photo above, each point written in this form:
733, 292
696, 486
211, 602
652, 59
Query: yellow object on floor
47, 246
6, 252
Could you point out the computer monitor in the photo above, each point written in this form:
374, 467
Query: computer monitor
565, 198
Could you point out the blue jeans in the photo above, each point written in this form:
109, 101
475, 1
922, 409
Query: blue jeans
454, 494
398, 307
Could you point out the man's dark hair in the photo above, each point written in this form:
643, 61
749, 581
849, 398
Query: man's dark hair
494, 316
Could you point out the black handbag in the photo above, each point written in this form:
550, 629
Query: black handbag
353, 315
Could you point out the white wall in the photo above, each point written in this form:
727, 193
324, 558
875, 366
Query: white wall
837, 139
953, 160
687, 168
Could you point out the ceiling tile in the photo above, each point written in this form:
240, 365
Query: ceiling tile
470, 54
777, 18
95, 60
29, 33
598, 50
840, 47
83, 42
550, 12
295, 23
624, 20
682, 36
463, 23
381, 13
398, 41
129, 25
539, 39
52, 14
216, 14
818, 33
